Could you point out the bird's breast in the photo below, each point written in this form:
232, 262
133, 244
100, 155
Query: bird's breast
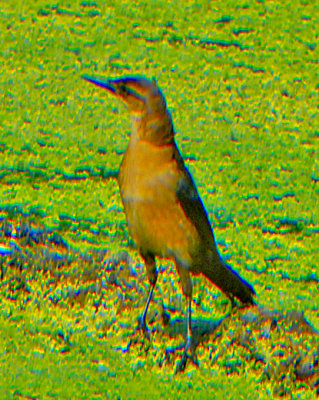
156, 219
148, 173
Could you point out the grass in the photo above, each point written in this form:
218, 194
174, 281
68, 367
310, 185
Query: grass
241, 81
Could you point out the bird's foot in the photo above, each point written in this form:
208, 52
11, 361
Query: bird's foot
136, 339
180, 367
188, 355
144, 328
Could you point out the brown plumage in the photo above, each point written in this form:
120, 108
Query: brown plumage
164, 212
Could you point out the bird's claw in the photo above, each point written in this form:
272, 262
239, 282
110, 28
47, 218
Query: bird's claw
180, 367
188, 354
135, 336
143, 327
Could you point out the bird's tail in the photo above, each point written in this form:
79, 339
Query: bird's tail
228, 280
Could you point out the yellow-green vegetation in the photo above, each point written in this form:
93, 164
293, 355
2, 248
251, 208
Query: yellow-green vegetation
241, 80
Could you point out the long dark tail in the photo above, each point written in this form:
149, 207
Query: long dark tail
228, 280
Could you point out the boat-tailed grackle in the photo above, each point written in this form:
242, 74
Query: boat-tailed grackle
164, 212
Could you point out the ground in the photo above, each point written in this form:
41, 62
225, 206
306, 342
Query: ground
241, 81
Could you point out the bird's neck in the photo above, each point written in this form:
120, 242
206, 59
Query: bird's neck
156, 128
142, 155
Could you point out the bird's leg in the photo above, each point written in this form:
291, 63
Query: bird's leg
142, 319
189, 324
152, 277
189, 345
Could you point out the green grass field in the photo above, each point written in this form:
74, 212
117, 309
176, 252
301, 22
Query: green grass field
241, 81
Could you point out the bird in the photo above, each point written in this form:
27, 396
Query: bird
164, 211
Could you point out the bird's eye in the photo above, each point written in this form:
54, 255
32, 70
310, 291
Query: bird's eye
123, 89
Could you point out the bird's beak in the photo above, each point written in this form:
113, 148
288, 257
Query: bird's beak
121, 89
104, 84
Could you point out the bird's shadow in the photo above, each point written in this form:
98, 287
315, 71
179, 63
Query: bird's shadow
202, 328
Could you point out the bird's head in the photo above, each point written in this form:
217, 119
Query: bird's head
141, 96
144, 99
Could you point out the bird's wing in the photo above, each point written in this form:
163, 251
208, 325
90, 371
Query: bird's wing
208, 261
192, 204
